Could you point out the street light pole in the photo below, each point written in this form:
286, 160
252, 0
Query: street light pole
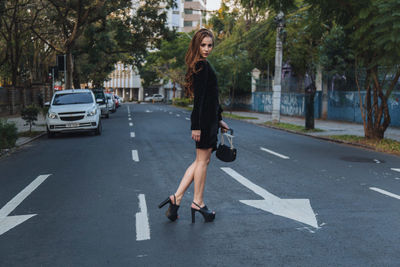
276, 95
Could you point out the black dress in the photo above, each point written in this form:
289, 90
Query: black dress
206, 112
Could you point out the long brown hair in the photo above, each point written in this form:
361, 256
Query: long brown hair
193, 56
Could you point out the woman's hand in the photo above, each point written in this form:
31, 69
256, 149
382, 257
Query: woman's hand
196, 135
224, 126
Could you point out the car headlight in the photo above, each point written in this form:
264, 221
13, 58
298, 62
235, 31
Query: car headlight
92, 111
52, 115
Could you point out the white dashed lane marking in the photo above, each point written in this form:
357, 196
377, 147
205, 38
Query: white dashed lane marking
385, 192
142, 220
274, 153
135, 156
132, 134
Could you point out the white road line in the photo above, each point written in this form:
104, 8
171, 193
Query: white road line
128, 109
129, 119
130, 124
274, 153
178, 115
188, 119
170, 113
135, 155
396, 170
9, 222
295, 209
385, 192
13, 203
132, 134
142, 220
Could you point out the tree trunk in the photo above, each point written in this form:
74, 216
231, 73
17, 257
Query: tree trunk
374, 126
70, 70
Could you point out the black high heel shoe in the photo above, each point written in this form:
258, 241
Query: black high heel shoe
208, 215
172, 212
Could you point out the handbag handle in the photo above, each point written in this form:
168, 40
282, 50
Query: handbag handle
229, 136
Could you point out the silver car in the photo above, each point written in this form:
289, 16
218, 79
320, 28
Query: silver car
111, 102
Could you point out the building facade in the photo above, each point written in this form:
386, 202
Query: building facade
125, 82
194, 12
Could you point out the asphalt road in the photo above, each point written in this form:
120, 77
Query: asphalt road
288, 200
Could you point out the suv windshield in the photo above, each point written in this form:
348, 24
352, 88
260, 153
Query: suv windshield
72, 98
99, 95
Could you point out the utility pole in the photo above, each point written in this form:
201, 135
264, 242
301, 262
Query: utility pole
276, 95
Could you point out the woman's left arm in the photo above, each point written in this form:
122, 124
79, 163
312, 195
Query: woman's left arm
224, 126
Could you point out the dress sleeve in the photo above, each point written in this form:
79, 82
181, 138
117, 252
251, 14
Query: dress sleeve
200, 88
220, 110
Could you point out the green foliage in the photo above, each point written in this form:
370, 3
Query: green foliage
29, 115
183, 102
168, 63
8, 134
335, 54
231, 62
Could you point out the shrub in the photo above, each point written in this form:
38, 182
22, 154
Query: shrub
29, 114
8, 134
183, 102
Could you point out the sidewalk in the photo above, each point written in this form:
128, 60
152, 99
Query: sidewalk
20, 123
328, 127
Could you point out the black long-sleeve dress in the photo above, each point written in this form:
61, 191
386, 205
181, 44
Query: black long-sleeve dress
206, 112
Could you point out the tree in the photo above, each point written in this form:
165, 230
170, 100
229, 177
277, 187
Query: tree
371, 28
168, 63
15, 38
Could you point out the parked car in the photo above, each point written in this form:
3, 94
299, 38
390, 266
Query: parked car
73, 110
154, 98
120, 100
101, 100
112, 106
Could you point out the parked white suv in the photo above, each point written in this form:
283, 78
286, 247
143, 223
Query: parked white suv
73, 110
154, 98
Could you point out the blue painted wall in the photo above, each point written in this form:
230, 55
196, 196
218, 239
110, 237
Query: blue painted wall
292, 104
342, 105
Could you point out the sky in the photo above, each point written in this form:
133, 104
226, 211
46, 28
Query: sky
213, 4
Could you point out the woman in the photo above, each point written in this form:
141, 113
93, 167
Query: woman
205, 121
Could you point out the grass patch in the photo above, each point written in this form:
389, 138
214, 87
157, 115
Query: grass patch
234, 116
384, 145
292, 127
29, 134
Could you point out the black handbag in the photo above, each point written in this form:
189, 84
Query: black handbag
224, 152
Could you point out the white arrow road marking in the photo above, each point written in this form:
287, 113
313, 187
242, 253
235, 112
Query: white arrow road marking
142, 220
274, 153
135, 155
385, 192
296, 209
132, 134
131, 124
9, 222
396, 170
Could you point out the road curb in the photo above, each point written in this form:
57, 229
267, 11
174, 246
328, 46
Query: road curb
318, 137
30, 139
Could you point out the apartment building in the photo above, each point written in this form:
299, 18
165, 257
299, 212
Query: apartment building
194, 14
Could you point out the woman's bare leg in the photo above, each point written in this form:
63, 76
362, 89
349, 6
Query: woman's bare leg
186, 181
200, 174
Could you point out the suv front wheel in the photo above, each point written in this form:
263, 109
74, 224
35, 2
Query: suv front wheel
99, 129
